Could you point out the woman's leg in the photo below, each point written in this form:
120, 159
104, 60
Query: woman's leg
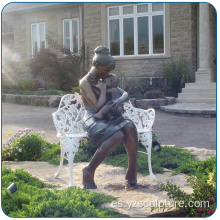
131, 146
102, 152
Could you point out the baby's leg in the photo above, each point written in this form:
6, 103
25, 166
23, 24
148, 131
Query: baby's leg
103, 112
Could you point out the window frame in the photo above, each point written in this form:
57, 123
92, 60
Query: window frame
71, 34
135, 16
38, 36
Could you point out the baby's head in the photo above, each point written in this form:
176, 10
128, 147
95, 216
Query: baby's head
111, 81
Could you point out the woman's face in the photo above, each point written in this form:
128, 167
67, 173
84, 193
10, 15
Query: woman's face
105, 70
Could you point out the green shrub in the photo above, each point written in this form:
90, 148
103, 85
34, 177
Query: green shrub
154, 94
31, 200
24, 145
52, 154
135, 86
39, 92
28, 85
86, 151
75, 89
176, 74
201, 203
27, 187
50, 92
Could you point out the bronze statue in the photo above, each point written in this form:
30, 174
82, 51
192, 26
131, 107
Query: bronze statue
106, 133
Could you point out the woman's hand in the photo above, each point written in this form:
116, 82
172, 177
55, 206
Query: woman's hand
115, 104
101, 86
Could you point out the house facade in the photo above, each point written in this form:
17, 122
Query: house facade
140, 35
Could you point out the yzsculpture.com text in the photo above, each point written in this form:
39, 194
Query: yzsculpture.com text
160, 204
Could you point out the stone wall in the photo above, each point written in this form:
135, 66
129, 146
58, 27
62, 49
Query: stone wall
92, 30
182, 40
54, 100
53, 19
183, 33
16, 70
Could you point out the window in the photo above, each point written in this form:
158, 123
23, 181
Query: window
71, 34
135, 30
37, 37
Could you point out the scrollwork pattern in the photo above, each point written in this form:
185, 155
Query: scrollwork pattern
70, 114
143, 119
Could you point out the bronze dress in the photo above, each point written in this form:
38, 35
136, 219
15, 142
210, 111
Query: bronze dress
100, 130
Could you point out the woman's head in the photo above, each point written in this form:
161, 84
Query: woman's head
103, 60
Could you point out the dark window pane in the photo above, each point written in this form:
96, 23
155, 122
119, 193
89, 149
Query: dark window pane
114, 37
157, 7
142, 8
113, 11
127, 10
75, 36
143, 35
158, 34
128, 24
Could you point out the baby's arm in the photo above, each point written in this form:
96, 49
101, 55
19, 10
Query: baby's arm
124, 95
113, 91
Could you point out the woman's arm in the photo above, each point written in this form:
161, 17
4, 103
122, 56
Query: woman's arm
89, 95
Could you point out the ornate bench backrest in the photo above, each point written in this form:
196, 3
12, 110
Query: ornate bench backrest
68, 119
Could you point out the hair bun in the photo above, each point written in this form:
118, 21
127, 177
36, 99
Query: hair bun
102, 49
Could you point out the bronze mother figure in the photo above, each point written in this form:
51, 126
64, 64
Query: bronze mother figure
106, 134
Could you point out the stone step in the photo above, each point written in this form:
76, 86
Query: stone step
200, 85
197, 95
198, 91
196, 100
203, 109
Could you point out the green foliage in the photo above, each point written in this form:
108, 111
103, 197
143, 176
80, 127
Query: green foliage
143, 88
176, 74
39, 92
28, 85
75, 89
27, 187
135, 86
177, 159
154, 94
50, 92
70, 70
64, 72
24, 145
31, 200
86, 151
45, 64
201, 203
206, 167
169, 157
52, 154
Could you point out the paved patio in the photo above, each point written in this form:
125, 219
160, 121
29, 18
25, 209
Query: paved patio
178, 130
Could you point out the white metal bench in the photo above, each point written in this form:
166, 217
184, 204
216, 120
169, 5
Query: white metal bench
68, 120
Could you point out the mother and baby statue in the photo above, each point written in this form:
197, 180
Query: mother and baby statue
103, 120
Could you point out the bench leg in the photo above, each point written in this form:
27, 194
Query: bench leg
146, 140
70, 156
149, 162
62, 152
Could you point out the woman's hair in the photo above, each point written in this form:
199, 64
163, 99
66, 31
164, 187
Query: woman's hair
102, 56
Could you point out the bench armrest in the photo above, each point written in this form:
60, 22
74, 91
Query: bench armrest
143, 119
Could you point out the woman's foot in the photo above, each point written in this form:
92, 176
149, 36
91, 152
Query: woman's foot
131, 182
88, 178
131, 177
